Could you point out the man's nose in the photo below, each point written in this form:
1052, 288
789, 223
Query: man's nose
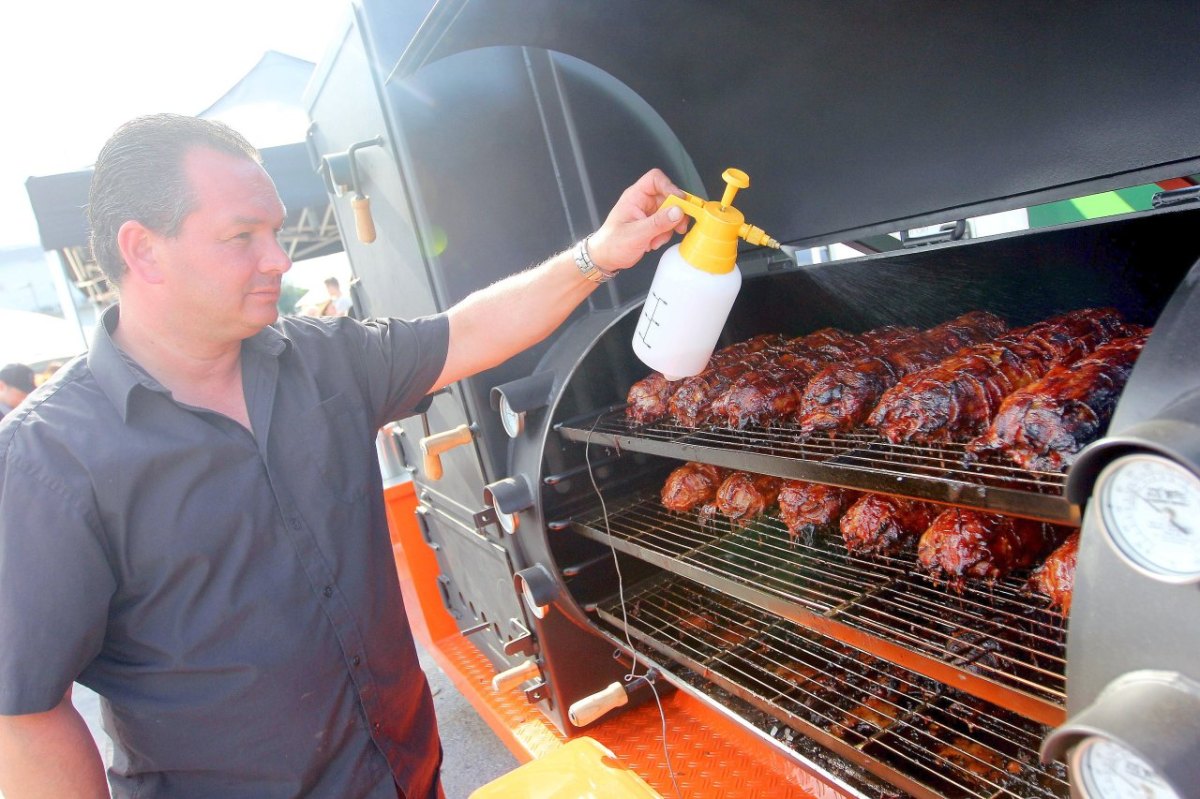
275, 258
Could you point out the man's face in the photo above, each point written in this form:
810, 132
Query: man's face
11, 395
222, 272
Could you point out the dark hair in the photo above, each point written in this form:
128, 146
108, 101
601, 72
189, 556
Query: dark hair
18, 375
139, 176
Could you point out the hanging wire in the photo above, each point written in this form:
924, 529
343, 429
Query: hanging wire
587, 455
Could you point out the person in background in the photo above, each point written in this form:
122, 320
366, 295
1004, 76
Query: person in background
47, 372
16, 383
339, 304
226, 586
335, 304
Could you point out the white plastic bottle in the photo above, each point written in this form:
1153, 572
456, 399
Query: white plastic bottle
696, 284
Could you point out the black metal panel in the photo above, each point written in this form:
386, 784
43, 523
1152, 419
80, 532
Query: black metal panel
870, 117
474, 213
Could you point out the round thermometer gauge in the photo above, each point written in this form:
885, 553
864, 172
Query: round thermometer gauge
1105, 769
1150, 508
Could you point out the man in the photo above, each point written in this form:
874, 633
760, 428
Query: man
225, 585
334, 303
16, 382
338, 304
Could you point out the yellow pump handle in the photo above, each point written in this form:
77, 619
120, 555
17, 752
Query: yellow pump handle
711, 244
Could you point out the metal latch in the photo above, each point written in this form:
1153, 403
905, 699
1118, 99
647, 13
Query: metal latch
522, 644
1166, 199
950, 231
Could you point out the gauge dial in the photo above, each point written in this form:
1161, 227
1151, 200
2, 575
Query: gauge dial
1150, 508
513, 421
1107, 770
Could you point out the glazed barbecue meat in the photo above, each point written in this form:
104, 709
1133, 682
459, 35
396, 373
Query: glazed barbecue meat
958, 397
690, 403
1056, 576
691, 485
963, 544
878, 524
648, 398
804, 506
772, 393
841, 396
743, 496
1045, 425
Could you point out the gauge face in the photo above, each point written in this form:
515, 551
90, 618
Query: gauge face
1150, 507
1107, 770
513, 421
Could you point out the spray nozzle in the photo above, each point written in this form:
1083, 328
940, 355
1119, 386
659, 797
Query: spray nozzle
711, 244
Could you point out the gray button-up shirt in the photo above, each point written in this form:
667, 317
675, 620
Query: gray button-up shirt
231, 595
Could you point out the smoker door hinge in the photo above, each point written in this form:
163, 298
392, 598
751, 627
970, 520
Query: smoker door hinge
950, 231
1166, 199
443, 584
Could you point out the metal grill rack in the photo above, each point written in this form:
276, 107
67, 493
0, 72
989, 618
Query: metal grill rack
925, 738
860, 460
995, 642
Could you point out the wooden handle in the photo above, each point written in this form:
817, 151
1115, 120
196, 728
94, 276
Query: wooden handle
510, 679
590, 708
434, 445
363, 222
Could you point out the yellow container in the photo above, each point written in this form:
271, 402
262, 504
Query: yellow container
580, 769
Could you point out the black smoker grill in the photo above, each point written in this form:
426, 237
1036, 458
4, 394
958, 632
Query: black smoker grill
507, 129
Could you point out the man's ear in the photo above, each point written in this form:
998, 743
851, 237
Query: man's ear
136, 243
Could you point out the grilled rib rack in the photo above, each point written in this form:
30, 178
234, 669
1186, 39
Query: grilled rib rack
859, 460
991, 653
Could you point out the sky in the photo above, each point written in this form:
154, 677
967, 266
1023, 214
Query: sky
71, 71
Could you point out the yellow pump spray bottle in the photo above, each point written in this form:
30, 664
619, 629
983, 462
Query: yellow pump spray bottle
696, 283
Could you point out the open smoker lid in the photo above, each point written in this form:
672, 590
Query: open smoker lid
856, 118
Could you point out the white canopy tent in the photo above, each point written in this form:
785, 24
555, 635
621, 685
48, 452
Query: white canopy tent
36, 339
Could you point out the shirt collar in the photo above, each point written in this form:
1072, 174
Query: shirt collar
118, 374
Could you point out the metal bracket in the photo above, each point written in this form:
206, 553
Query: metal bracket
522, 644
951, 231
443, 583
537, 692
422, 516
482, 518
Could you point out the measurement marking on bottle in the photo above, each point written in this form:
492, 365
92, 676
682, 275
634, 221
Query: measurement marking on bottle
649, 318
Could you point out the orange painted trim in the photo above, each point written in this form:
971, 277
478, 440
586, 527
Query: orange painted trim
1170, 184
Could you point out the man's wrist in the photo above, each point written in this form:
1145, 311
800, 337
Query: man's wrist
588, 267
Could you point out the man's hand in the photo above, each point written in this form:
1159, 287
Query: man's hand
635, 226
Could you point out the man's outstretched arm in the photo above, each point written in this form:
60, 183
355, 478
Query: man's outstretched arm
494, 324
50, 755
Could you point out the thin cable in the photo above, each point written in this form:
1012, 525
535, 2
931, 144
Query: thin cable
662, 714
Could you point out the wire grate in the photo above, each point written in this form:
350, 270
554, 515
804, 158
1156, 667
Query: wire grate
861, 460
996, 641
923, 737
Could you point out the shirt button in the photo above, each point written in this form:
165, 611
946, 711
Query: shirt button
356, 660
328, 591
376, 725
294, 522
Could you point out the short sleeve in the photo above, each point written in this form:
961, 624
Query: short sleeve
402, 359
56, 584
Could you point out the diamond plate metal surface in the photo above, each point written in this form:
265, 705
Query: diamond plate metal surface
711, 757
